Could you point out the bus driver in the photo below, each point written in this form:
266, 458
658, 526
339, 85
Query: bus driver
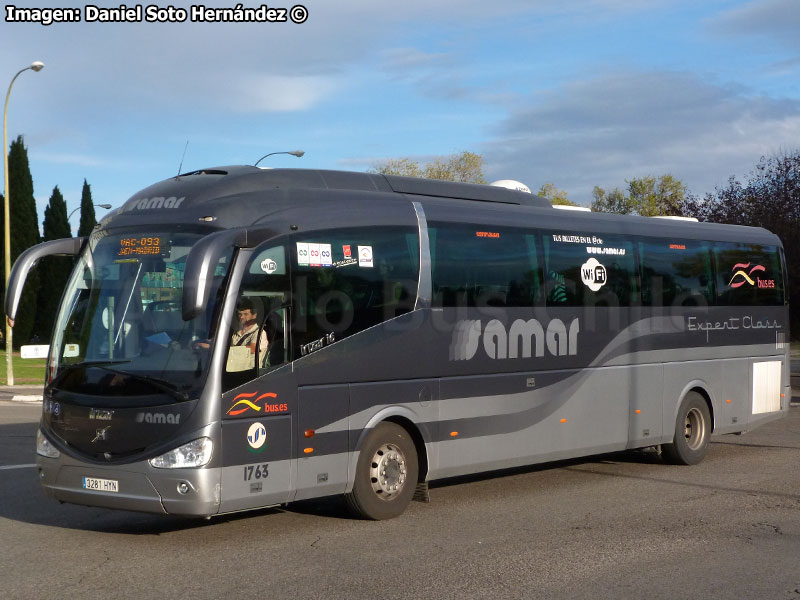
241, 355
242, 350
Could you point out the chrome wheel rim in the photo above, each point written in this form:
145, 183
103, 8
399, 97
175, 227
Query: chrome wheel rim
388, 471
694, 429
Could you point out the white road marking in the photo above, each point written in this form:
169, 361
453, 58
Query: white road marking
26, 398
16, 467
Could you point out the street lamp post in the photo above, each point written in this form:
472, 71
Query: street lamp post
106, 206
34, 66
297, 153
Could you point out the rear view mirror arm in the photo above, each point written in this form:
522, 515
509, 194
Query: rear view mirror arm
203, 259
28, 259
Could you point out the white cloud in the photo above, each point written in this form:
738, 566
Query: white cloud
401, 61
622, 125
140, 90
785, 67
774, 24
133, 66
773, 18
278, 93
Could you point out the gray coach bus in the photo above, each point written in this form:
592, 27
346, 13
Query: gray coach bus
235, 338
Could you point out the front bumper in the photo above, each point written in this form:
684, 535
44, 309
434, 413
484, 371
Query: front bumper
141, 487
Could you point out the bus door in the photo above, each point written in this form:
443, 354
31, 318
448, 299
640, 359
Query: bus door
257, 441
259, 400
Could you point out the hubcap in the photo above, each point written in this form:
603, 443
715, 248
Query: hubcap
695, 429
388, 471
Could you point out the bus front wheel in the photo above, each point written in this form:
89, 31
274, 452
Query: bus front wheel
692, 432
386, 473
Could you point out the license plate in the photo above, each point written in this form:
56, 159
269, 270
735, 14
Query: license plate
100, 485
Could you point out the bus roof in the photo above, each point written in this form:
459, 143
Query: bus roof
239, 196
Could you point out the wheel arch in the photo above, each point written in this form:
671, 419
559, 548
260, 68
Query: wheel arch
419, 442
701, 388
406, 419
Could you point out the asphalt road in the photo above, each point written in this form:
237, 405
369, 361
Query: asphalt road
621, 525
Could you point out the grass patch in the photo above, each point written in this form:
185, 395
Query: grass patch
28, 371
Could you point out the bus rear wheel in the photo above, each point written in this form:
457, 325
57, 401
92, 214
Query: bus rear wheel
386, 473
692, 432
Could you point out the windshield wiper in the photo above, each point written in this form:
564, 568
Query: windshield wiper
66, 368
98, 363
160, 384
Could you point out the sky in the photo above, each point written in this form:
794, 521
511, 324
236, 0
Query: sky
577, 93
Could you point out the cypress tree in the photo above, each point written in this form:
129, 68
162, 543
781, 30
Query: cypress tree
88, 220
54, 270
24, 234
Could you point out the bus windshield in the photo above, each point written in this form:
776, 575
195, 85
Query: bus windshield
120, 329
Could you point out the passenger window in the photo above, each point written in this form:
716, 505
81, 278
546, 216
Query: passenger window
347, 280
477, 268
257, 336
583, 270
676, 273
748, 275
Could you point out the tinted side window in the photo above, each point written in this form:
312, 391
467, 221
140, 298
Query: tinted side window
346, 280
676, 273
589, 270
748, 275
473, 267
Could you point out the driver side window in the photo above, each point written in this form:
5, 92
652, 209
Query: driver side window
257, 336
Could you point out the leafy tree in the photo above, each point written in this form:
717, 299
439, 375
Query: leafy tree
615, 201
466, 167
54, 270
398, 166
647, 196
555, 195
88, 220
24, 234
769, 197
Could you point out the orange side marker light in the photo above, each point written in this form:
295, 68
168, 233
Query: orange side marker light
728, 401
308, 450
453, 434
563, 420
309, 433
638, 412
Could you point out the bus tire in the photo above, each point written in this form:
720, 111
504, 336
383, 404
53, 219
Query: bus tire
692, 432
386, 473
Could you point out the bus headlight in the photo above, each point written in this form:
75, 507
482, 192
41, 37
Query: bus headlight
45, 448
196, 453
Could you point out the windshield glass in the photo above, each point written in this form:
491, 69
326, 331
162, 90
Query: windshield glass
120, 330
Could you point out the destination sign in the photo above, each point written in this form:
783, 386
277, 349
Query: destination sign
143, 246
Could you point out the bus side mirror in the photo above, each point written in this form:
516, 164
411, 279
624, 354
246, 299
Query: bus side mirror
28, 259
203, 259
201, 263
